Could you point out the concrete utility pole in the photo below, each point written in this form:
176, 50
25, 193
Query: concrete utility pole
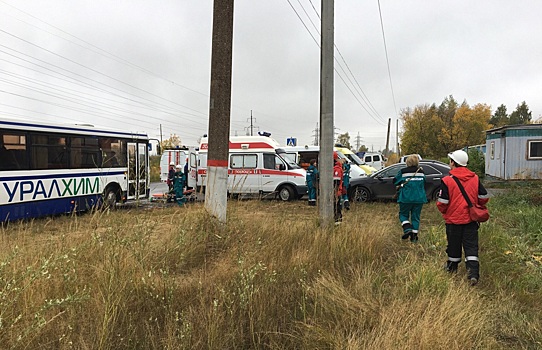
216, 193
325, 162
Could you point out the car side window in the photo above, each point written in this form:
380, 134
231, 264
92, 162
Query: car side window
429, 170
391, 172
376, 158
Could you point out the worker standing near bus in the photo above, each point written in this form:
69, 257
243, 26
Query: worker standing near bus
312, 181
178, 184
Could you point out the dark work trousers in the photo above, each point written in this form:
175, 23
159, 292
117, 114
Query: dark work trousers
463, 237
337, 208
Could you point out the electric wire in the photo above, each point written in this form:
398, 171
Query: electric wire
387, 59
358, 85
93, 47
87, 78
338, 73
95, 71
98, 50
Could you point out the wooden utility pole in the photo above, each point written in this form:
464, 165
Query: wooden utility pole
397, 150
216, 193
161, 141
388, 138
325, 162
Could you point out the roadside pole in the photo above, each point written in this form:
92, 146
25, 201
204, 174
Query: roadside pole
326, 196
216, 195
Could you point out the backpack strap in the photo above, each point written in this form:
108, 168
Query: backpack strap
462, 189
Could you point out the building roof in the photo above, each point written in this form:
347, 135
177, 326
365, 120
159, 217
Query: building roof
514, 127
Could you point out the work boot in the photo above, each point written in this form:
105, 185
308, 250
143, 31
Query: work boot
347, 205
450, 267
414, 238
407, 230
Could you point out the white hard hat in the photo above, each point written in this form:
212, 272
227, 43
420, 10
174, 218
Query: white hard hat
460, 157
178, 166
172, 163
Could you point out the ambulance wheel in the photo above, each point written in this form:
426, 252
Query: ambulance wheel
286, 193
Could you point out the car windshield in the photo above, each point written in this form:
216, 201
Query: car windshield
355, 159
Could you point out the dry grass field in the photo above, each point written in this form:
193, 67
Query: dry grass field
172, 278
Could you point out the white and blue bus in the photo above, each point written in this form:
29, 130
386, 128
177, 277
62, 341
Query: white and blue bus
48, 169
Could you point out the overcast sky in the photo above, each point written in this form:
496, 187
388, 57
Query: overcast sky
136, 64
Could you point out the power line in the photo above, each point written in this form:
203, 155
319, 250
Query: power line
97, 50
366, 99
370, 113
387, 60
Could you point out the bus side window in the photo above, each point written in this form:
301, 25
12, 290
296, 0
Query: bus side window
13, 152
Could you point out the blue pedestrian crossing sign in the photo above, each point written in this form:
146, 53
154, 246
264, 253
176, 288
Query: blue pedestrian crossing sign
291, 141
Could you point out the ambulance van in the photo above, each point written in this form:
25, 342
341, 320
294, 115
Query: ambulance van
177, 156
256, 166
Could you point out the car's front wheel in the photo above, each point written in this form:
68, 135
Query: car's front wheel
361, 194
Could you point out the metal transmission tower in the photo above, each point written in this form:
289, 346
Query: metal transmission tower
316, 135
216, 193
358, 142
251, 124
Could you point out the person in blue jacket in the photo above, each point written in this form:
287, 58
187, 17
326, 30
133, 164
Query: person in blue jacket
312, 181
346, 183
411, 197
178, 185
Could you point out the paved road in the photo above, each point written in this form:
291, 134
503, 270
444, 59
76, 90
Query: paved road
158, 188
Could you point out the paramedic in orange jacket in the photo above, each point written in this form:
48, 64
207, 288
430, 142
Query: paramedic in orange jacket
461, 231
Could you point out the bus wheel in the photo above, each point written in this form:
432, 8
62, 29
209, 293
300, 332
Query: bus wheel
286, 193
110, 198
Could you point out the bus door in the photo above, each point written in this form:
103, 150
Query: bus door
138, 171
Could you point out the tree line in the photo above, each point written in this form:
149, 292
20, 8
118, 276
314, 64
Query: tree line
433, 131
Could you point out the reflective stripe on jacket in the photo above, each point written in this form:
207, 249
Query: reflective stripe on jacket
413, 190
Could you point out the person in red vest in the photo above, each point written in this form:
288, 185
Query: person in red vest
461, 231
337, 187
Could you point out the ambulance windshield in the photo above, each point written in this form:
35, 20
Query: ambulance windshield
290, 162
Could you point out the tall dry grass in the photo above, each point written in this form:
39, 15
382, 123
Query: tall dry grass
270, 279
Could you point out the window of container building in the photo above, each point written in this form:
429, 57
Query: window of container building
535, 150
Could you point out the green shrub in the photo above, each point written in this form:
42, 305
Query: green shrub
477, 162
